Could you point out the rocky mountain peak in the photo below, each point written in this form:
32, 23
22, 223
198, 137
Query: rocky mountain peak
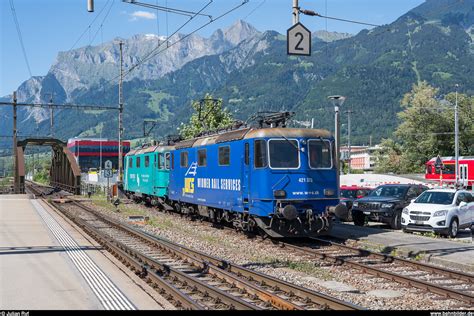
239, 31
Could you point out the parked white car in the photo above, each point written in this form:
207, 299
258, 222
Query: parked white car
442, 211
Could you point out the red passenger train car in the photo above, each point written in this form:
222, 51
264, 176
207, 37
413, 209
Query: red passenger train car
90, 152
447, 176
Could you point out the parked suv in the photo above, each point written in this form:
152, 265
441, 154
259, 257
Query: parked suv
442, 211
385, 204
349, 194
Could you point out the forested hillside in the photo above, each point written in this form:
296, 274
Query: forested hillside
374, 69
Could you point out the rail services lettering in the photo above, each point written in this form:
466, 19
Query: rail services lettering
219, 184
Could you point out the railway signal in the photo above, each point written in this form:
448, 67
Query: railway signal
298, 40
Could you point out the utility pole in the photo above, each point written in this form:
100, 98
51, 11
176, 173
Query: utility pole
16, 186
100, 164
296, 12
120, 162
456, 137
349, 112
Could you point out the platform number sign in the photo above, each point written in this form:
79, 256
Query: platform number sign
108, 173
108, 164
298, 40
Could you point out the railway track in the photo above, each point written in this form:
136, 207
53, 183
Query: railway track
440, 281
443, 282
191, 279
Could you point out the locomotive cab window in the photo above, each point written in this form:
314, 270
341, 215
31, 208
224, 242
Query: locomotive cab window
161, 162
167, 161
260, 154
130, 162
183, 159
319, 152
202, 158
224, 156
147, 161
138, 162
284, 153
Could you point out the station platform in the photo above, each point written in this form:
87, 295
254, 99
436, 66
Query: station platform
47, 263
451, 253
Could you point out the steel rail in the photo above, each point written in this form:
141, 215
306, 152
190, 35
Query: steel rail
131, 262
420, 284
388, 258
162, 269
307, 295
338, 259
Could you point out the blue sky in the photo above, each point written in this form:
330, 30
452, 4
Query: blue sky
50, 26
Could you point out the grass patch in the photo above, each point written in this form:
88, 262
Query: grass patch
155, 104
442, 75
306, 267
162, 223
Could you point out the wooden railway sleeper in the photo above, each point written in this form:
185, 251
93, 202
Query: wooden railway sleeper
234, 269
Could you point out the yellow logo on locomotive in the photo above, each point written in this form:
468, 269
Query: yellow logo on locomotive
188, 185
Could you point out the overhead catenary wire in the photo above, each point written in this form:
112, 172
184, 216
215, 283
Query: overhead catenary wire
20, 37
89, 26
168, 9
154, 52
102, 22
313, 13
150, 53
254, 9
142, 59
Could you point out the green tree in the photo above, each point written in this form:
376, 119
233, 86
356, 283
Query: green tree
389, 157
427, 129
209, 115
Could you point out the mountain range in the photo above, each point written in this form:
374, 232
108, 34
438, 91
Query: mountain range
251, 72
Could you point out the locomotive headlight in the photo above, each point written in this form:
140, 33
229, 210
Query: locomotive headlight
279, 193
329, 192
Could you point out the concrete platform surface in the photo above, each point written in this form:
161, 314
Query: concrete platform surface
457, 254
39, 271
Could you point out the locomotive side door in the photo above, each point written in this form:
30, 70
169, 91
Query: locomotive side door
246, 176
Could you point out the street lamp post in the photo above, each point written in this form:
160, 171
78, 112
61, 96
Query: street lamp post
456, 138
337, 101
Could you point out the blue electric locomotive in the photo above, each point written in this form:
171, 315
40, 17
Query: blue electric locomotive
279, 180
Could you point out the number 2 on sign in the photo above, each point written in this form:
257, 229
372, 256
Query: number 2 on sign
301, 36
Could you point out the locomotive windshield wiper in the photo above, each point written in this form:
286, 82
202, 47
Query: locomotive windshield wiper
296, 146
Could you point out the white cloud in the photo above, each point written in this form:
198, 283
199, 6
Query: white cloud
142, 15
